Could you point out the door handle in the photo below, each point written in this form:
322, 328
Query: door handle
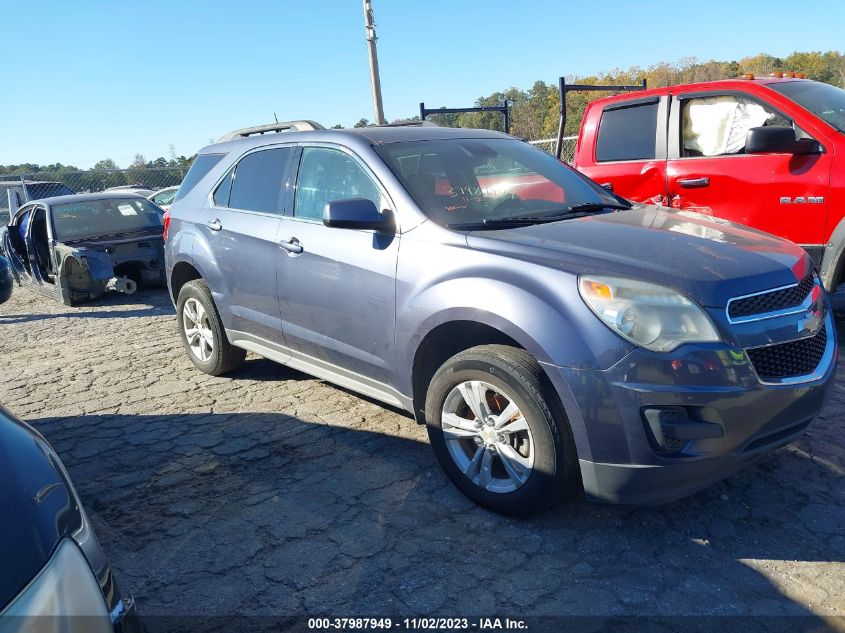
292, 246
694, 183
214, 225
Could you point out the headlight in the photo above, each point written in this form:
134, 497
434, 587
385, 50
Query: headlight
648, 315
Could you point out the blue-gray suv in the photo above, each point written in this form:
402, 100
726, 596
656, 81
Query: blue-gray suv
550, 334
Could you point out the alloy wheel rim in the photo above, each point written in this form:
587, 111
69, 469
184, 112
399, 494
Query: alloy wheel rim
197, 326
487, 436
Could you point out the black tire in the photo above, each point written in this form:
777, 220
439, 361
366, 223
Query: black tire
224, 356
516, 373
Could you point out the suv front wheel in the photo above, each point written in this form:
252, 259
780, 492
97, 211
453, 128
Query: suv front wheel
498, 432
202, 331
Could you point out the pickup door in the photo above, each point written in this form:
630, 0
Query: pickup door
709, 172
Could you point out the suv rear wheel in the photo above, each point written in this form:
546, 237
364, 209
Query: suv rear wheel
202, 331
497, 431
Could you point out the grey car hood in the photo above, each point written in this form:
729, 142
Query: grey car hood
708, 259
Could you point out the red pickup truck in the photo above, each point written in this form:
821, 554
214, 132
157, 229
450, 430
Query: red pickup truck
768, 153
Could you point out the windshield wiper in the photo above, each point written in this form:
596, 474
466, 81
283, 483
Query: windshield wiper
575, 211
598, 206
493, 223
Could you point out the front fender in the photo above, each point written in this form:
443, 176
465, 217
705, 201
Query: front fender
540, 308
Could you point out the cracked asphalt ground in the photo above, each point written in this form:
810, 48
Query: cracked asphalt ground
269, 492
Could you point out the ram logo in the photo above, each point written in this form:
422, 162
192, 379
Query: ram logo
802, 200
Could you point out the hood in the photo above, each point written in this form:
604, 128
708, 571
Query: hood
708, 259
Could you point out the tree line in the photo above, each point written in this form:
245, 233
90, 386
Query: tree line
106, 173
535, 112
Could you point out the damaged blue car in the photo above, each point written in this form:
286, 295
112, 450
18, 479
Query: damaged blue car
77, 248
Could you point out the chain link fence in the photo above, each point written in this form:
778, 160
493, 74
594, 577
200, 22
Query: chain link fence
567, 151
145, 181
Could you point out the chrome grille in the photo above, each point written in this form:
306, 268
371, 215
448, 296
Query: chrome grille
765, 302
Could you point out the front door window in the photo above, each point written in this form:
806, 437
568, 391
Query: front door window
717, 126
326, 175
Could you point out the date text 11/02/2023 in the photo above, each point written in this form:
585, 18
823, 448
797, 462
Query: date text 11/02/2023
413, 624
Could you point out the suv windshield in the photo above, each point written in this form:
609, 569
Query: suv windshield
825, 101
476, 181
93, 218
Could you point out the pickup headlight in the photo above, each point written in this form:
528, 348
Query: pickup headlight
651, 316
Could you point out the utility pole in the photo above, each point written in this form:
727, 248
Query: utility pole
370, 27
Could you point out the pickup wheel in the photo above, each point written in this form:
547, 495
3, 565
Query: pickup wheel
498, 432
202, 331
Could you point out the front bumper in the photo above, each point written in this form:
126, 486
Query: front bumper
734, 419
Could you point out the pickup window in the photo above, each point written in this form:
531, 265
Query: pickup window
825, 101
718, 125
628, 132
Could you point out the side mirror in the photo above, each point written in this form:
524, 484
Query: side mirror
770, 140
357, 213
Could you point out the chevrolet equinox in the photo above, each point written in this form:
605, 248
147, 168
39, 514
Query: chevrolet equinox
550, 334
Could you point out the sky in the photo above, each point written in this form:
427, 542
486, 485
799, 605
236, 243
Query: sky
110, 79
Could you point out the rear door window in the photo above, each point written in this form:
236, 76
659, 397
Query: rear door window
258, 182
628, 132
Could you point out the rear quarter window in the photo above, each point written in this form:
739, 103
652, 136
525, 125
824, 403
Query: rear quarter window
202, 164
627, 133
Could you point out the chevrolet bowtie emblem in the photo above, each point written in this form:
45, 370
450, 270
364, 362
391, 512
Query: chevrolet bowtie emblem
811, 322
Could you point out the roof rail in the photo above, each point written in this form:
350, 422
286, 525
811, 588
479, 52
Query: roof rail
270, 128
408, 124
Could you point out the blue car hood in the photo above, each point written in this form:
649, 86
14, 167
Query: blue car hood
708, 259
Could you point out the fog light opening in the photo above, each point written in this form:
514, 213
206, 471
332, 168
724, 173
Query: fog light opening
669, 429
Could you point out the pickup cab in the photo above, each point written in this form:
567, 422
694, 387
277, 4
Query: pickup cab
767, 152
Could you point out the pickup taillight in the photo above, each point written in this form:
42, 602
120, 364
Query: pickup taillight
165, 220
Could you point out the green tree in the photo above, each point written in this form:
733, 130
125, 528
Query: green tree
106, 163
